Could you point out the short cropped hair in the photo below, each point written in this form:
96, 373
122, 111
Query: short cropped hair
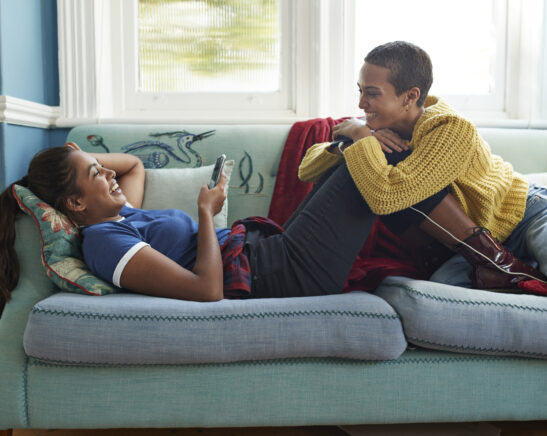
408, 64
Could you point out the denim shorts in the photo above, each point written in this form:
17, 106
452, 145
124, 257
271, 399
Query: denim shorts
535, 215
528, 242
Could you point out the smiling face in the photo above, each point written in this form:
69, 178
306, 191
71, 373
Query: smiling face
101, 198
383, 107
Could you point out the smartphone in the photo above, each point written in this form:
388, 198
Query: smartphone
217, 171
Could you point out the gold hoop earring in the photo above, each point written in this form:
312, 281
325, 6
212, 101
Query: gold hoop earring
406, 108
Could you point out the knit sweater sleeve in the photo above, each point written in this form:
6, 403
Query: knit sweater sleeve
444, 146
316, 161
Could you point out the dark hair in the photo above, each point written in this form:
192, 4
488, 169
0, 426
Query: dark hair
52, 177
409, 66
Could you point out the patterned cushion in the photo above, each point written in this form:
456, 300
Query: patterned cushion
61, 253
462, 320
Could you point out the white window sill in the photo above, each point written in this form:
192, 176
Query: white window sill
27, 113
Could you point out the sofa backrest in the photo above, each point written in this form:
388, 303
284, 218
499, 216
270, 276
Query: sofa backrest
256, 150
526, 149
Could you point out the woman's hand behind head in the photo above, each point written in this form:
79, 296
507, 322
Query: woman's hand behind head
72, 145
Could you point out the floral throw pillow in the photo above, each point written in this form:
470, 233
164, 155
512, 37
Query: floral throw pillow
61, 252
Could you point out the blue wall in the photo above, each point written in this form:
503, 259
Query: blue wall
28, 50
28, 70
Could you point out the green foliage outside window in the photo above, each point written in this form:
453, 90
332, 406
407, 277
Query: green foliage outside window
206, 38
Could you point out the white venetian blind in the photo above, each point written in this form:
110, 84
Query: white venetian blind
209, 46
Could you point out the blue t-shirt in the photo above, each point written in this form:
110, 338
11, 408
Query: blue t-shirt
108, 246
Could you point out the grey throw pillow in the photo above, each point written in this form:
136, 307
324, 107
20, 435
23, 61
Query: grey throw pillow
178, 188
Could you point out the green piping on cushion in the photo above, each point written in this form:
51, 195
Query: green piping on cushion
419, 341
290, 361
466, 302
208, 318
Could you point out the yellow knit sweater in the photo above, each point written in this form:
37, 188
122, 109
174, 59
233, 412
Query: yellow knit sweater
447, 150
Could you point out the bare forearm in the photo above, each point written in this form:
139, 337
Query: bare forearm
130, 174
208, 266
120, 162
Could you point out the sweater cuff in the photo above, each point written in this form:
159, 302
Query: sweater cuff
368, 167
317, 161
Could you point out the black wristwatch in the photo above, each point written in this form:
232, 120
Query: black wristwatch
333, 145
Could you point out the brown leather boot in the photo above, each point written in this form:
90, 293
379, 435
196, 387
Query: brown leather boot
509, 270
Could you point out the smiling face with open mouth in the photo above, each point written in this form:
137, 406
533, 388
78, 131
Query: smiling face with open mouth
384, 109
101, 198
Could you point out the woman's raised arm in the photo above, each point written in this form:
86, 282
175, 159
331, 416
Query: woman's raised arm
129, 170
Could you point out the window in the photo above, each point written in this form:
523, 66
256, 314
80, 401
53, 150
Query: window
209, 46
466, 44
208, 56
263, 61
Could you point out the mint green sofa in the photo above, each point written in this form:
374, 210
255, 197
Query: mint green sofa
421, 385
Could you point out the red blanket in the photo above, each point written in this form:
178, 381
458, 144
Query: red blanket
384, 254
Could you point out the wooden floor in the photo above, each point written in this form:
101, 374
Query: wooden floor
537, 428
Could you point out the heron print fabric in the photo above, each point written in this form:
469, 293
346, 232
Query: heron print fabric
178, 148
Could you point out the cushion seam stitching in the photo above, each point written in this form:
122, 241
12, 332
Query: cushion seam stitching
213, 317
463, 347
321, 361
466, 302
26, 419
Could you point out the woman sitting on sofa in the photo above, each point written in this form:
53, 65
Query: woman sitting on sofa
446, 151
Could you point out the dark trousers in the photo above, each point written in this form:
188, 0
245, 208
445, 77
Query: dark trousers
323, 238
320, 243
399, 221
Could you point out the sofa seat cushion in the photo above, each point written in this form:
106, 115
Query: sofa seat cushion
137, 329
452, 318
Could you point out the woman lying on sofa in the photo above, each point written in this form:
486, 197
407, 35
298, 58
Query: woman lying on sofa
166, 253
446, 151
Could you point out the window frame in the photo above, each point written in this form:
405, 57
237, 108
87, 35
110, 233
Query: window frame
195, 103
493, 103
91, 38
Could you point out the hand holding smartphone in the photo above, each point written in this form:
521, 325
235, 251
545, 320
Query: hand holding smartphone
217, 171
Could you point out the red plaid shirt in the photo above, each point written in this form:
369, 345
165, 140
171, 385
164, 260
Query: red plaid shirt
237, 270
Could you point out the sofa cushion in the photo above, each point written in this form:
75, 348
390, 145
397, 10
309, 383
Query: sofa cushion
178, 188
61, 247
452, 318
139, 329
